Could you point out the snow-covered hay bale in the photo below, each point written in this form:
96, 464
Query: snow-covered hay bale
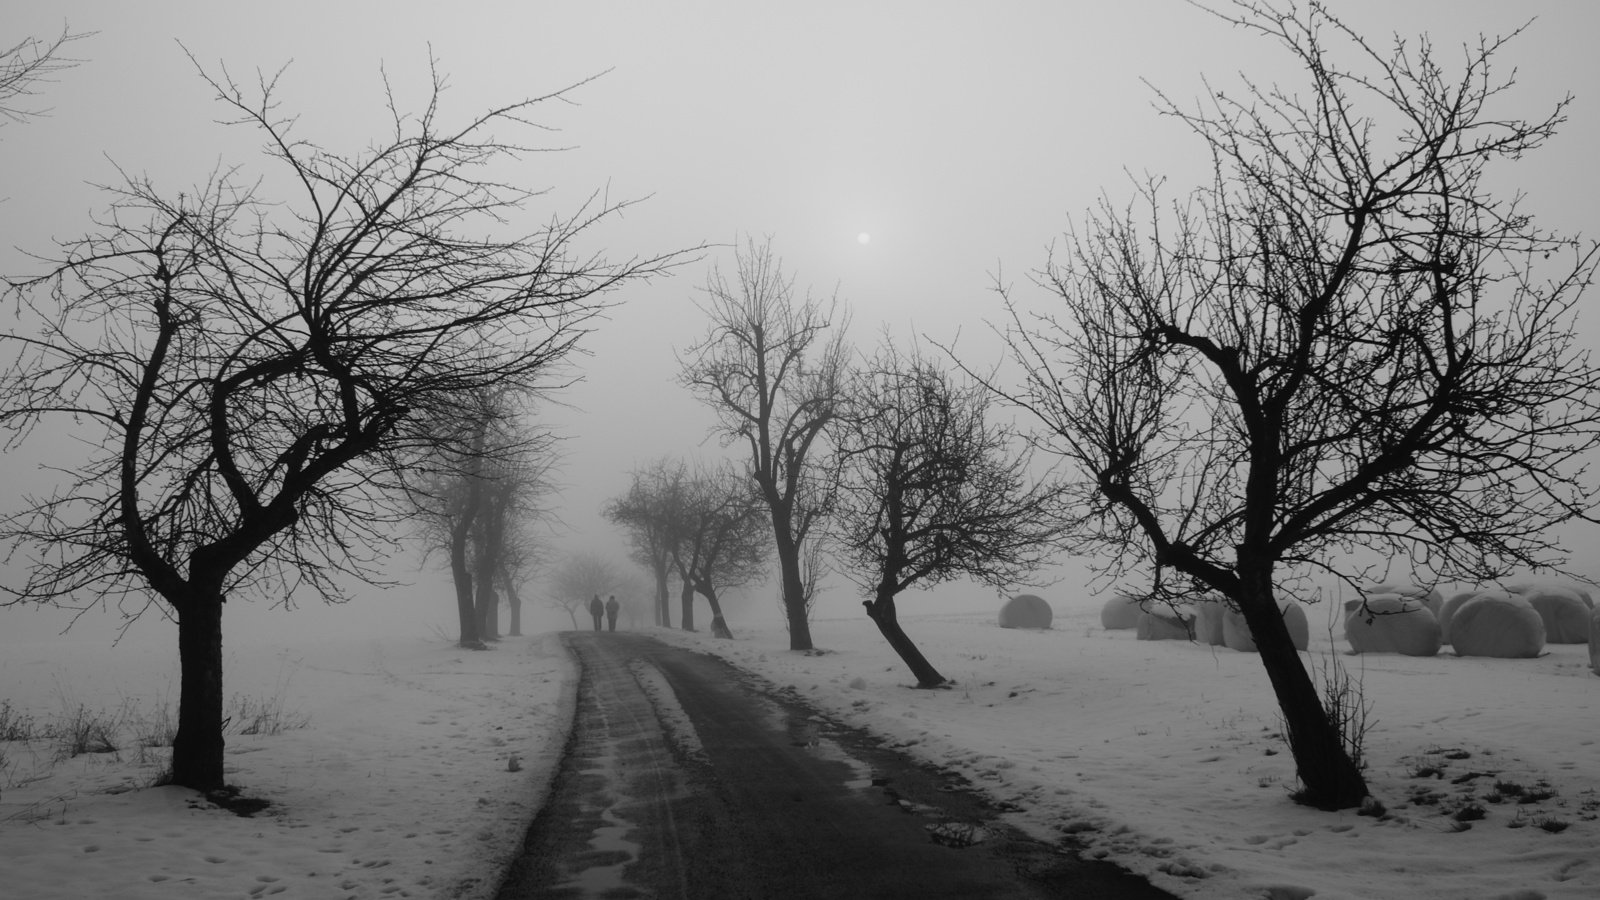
1448, 611
1026, 611
1582, 591
1236, 633
1497, 624
1208, 621
1120, 612
1162, 623
1390, 623
1565, 615
1426, 595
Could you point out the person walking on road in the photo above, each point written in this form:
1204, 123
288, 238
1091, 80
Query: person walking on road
597, 609
612, 608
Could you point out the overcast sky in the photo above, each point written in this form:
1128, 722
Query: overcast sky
960, 136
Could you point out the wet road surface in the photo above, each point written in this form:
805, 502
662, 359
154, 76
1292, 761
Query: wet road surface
682, 779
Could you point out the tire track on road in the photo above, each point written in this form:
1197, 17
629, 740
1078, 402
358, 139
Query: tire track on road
722, 790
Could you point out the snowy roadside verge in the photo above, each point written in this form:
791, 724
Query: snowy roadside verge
1163, 756
401, 784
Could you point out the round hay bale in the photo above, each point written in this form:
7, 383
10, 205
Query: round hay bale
1581, 591
1390, 623
1236, 633
1497, 624
1161, 623
1566, 618
1448, 611
1026, 611
1120, 612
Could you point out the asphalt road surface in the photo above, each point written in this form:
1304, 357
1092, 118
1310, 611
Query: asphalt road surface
684, 779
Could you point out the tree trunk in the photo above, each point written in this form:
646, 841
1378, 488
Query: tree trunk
663, 597
514, 603
490, 543
882, 611
488, 600
461, 574
197, 749
719, 625
1329, 779
686, 601
488, 610
794, 588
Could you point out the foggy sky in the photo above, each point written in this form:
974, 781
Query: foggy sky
960, 136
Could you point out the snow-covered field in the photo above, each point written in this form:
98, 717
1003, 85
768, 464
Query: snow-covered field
1161, 756
392, 778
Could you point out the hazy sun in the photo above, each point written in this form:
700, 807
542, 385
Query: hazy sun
863, 238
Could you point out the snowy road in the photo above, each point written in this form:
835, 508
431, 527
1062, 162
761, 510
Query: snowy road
684, 779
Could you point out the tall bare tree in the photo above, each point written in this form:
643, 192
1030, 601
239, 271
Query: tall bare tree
930, 490
251, 371
772, 366
1344, 341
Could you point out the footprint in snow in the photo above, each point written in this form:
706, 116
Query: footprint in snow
1571, 869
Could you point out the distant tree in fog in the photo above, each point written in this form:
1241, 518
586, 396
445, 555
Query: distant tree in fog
930, 490
1342, 340
476, 490
521, 557
771, 366
577, 579
252, 373
651, 512
722, 541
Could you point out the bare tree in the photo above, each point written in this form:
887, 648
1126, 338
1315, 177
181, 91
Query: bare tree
579, 578
492, 471
1343, 341
508, 479
652, 513
27, 64
521, 553
465, 487
251, 372
723, 544
930, 491
770, 369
